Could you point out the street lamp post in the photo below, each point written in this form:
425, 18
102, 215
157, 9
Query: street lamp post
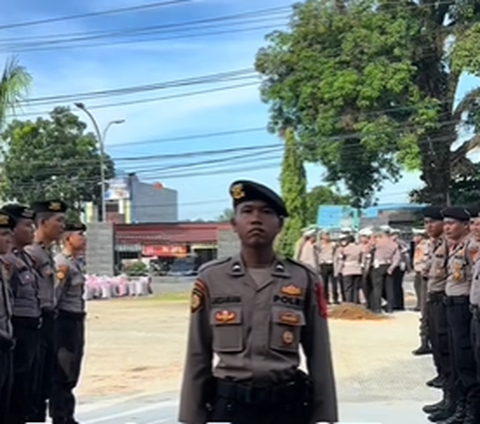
101, 136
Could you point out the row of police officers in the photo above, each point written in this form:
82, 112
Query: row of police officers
372, 268
450, 311
42, 313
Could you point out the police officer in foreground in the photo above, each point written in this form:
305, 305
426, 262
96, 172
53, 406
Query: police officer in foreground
69, 325
6, 330
26, 319
50, 223
254, 311
475, 296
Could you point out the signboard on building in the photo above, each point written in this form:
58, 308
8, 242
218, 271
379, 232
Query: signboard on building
166, 250
117, 189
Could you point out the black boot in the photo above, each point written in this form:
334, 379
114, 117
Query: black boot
459, 416
445, 412
473, 414
436, 382
423, 349
434, 407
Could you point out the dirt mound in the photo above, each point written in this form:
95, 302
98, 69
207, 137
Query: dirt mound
352, 312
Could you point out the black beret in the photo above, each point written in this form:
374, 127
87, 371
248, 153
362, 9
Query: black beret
248, 191
57, 206
77, 226
7, 220
457, 213
474, 211
433, 212
19, 211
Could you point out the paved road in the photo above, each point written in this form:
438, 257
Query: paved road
161, 410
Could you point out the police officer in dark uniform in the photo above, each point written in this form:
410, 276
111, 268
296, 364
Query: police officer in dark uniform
6, 330
69, 325
26, 313
254, 311
460, 265
50, 223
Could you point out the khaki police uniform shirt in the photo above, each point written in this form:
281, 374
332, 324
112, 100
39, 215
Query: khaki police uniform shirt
436, 266
387, 252
461, 258
326, 251
69, 290
24, 284
308, 254
420, 255
256, 330
6, 329
351, 259
45, 267
475, 287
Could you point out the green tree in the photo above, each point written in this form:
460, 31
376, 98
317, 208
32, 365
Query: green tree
322, 195
226, 215
50, 158
464, 188
370, 88
293, 183
14, 84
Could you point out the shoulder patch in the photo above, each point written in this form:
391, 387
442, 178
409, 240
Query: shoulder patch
6, 269
62, 271
197, 299
213, 263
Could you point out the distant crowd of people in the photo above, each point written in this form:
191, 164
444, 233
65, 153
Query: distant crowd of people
368, 269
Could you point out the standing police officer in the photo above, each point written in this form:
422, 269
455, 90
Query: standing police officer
459, 267
69, 325
6, 330
386, 257
49, 222
26, 313
254, 311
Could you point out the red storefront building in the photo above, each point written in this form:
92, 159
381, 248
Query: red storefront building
168, 241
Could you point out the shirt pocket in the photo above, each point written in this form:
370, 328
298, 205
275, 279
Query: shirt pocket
227, 329
285, 329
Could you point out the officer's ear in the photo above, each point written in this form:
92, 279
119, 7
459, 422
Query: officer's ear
281, 221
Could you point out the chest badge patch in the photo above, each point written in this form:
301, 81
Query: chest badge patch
288, 338
225, 317
289, 318
291, 290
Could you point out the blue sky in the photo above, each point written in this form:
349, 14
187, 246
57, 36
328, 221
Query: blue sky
115, 62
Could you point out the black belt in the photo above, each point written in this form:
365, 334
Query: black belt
48, 313
260, 395
456, 300
27, 322
436, 297
70, 315
6, 344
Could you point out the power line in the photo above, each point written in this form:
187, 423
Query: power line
150, 100
94, 14
214, 22
208, 78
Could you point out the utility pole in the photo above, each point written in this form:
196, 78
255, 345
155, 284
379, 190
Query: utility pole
101, 136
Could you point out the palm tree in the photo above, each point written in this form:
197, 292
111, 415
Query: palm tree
14, 84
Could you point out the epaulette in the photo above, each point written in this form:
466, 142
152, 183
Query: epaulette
213, 263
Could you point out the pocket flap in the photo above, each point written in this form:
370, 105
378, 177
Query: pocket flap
288, 317
226, 316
